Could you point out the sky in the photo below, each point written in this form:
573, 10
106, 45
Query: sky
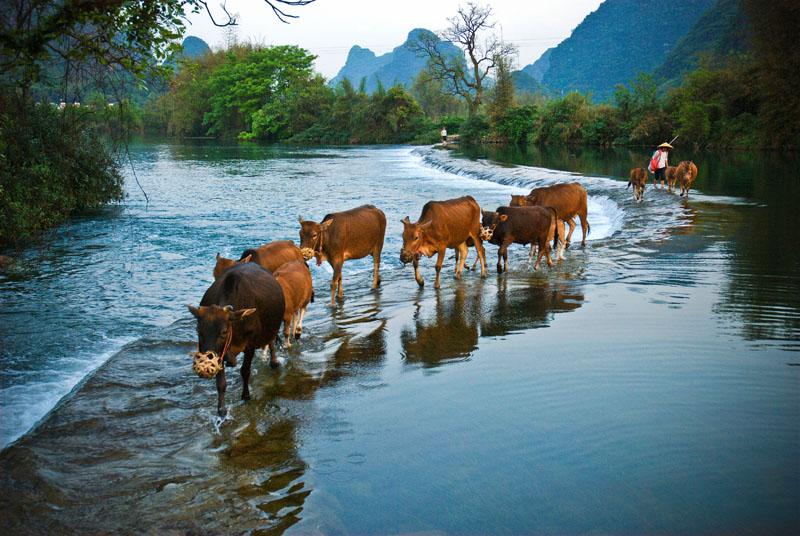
329, 28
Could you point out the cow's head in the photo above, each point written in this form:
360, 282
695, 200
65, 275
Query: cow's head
521, 201
215, 326
223, 264
311, 236
489, 222
412, 239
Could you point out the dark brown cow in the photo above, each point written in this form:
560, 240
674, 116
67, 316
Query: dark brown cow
687, 173
569, 200
639, 181
352, 234
443, 225
295, 280
672, 176
271, 256
521, 225
241, 311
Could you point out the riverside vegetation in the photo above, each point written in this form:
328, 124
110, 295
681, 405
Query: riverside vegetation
271, 93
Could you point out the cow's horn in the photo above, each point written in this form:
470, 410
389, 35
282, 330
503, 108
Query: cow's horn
228, 307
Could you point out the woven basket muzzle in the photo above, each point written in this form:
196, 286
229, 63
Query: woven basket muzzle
207, 365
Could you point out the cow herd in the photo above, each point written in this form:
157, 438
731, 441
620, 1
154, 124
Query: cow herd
684, 174
244, 308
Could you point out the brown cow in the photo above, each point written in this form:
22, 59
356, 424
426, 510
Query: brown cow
639, 181
521, 225
241, 311
295, 280
569, 200
672, 176
271, 256
352, 234
442, 225
687, 173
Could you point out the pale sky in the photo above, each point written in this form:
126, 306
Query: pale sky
328, 28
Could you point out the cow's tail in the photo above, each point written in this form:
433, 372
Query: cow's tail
555, 229
312, 297
629, 184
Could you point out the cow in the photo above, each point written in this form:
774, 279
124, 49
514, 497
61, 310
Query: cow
672, 176
443, 225
241, 311
687, 173
639, 181
569, 200
295, 280
271, 256
521, 225
352, 234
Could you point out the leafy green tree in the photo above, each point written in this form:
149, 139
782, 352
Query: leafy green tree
503, 95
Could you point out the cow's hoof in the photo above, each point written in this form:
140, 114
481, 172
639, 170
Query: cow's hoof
297, 334
245, 397
421, 284
276, 363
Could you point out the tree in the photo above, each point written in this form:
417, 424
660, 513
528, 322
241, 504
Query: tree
459, 77
503, 97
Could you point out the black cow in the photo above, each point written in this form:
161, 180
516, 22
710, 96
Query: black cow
520, 225
241, 311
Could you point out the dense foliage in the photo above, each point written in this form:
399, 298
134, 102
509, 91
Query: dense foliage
51, 167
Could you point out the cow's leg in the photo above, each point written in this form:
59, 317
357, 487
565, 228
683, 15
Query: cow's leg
461, 253
560, 245
222, 411
481, 254
336, 281
439, 261
298, 328
502, 254
547, 250
246, 365
376, 261
533, 250
418, 277
584, 227
572, 225
287, 326
273, 359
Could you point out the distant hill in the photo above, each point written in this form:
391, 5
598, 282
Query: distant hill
540, 66
399, 66
525, 82
720, 31
615, 42
194, 47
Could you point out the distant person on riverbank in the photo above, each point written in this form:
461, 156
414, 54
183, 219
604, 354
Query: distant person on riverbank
661, 160
444, 136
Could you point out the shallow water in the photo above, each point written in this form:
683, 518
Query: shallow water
646, 384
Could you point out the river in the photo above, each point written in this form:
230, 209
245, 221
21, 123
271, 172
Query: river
645, 384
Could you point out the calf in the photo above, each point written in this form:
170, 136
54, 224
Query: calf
687, 173
672, 175
521, 225
352, 234
569, 200
271, 256
295, 281
241, 311
639, 181
443, 225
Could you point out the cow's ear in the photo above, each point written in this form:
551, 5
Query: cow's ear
218, 256
194, 310
503, 217
405, 221
326, 224
246, 259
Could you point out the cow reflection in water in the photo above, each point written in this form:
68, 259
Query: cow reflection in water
450, 335
527, 305
453, 332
